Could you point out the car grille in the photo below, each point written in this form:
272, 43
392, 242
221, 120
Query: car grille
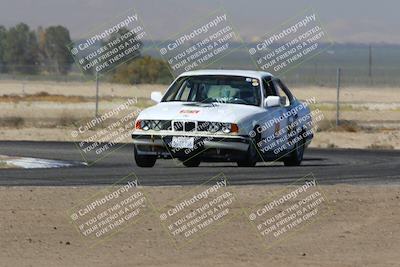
190, 126
184, 126
161, 125
203, 126
178, 126
158, 125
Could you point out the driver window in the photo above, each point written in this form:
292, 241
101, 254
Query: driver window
267, 88
201, 94
281, 92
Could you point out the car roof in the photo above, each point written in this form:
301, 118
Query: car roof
244, 73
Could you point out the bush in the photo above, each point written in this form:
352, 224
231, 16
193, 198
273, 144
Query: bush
142, 70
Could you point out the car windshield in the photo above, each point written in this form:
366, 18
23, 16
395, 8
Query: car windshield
215, 88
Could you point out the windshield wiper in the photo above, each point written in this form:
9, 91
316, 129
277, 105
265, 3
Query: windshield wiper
208, 100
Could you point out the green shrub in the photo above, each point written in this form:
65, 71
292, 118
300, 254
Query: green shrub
142, 70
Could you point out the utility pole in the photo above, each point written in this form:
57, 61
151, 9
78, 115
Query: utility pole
338, 74
370, 62
97, 94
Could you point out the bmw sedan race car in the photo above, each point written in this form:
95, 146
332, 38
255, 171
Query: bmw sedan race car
223, 115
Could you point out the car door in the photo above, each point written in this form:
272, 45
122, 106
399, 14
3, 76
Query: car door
273, 123
289, 105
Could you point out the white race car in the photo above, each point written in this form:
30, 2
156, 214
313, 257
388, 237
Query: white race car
223, 115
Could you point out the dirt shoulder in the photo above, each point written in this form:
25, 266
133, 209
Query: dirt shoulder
362, 230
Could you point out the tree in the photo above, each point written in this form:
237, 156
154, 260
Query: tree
3, 35
41, 37
21, 49
128, 44
56, 39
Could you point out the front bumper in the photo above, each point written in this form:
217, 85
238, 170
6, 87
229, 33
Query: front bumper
205, 145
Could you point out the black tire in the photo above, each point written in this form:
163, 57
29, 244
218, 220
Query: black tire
296, 155
144, 161
252, 157
193, 162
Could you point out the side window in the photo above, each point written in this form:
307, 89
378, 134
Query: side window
282, 91
268, 87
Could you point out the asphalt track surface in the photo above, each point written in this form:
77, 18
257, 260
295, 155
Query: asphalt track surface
328, 166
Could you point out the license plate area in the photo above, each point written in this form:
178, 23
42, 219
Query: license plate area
182, 142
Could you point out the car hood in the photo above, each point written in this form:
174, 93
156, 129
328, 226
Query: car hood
216, 112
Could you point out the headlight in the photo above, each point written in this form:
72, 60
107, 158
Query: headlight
156, 125
214, 127
226, 127
146, 125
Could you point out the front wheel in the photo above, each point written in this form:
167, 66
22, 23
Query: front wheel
145, 161
251, 158
193, 162
296, 156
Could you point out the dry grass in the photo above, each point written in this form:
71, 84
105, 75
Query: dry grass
330, 145
63, 121
348, 126
85, 89
344, 126
12, 122
3, 165
66, 120
380, 146
43, 96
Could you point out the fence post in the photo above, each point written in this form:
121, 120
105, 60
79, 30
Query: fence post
370, 61
338, 74
97, 94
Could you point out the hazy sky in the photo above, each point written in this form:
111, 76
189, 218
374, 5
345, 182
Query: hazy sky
345, 20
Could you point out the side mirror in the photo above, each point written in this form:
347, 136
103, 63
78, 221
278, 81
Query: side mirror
156, 96
272, 101
283, 100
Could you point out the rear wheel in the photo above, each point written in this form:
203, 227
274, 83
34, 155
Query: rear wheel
296, 156
145, 161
